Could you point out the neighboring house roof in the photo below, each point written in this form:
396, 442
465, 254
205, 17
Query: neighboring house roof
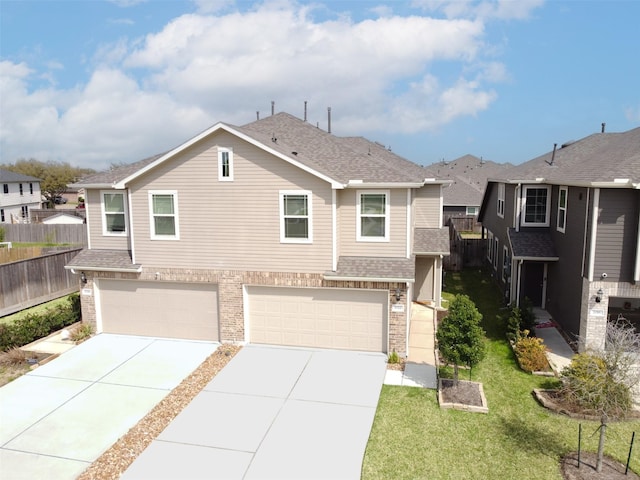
374, 268
63, 218
431, 241
335, 159
601, 159
532, 245
469, 176
104, 260
7, 176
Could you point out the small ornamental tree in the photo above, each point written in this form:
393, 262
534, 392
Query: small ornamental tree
460, 336
602, 380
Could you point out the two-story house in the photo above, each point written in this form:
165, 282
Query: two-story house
562, 230
275, 232
20, 193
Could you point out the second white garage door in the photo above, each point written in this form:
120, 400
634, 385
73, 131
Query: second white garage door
159, 309
318, 317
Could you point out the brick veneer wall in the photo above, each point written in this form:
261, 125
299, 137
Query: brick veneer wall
230, 295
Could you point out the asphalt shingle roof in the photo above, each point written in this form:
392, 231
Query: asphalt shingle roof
117, 260
374, 268
7, 176
338, 158
601, 157
528, 244
431, 241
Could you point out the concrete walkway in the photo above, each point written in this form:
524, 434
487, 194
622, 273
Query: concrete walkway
420, 368
559, 353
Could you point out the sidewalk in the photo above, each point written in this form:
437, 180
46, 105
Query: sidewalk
559, 353
420, 368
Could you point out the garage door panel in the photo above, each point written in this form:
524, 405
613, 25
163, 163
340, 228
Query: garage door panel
159, 309
324, 318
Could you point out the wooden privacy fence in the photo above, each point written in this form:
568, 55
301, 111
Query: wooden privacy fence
26, 283
464, 252
39, 232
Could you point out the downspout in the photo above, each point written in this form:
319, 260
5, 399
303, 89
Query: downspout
86, 218
334, 230
594, 231
636, 273
517, 213
409, 226
518, 284
130, 208
586, 229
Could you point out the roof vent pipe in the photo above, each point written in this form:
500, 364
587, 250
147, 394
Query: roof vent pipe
273, 107
305, 110
329, 118
257, 114
603, 125
553, 154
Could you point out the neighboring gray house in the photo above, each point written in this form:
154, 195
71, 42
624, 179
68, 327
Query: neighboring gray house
468, 175
19, 195
274, 232
562, 229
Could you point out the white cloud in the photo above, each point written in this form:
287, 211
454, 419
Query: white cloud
149, 94
484, 9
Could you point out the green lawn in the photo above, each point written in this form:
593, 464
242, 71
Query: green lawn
37, 309
413, 438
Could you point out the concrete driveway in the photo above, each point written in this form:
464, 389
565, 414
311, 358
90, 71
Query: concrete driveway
273, 412
59, 418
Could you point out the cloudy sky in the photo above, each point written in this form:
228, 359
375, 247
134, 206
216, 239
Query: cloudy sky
101, 82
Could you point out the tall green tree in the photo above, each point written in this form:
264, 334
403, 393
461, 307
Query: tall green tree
460, 336
54, 176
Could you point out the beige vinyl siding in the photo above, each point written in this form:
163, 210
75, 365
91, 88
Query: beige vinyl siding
347, 218
426, 207
231, 224
94, 221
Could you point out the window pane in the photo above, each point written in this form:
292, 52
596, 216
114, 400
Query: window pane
372, 226
563, 198
114, 202
295, 205
225, 163
163, 204
115, 222
561, 214
296, 228
536, 210
165, 225
372, 203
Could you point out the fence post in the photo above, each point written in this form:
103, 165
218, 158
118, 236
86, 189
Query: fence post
633, 435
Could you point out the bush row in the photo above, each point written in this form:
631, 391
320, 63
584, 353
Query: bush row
34, 326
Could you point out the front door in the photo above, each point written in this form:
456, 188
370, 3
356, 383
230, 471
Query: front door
533, 282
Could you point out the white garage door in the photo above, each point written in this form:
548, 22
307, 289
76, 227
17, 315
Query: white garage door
159, 309
318, 317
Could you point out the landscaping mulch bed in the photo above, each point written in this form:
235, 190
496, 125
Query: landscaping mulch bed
16, 363
611, 469
466, 393
112, 463
552, 400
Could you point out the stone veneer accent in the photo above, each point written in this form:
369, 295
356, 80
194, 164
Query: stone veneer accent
230, 295
593, 317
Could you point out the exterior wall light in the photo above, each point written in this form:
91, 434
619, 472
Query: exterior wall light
599, 295
83, 278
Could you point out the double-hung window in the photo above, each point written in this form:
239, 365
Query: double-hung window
535, 206
496, 250
489, 246
21, 190
562, 209
114, 216
373, 216
295, 217
225, 164
506, 264
5, 187
163, 205
31, 188
501, 200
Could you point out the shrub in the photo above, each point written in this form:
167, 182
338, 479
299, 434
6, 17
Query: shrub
34, 326
1, 234
393, 358
14, 356
530, 352
81, 333
528, 317
514, 323
588, 383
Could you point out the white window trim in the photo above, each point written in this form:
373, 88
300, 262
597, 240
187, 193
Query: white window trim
105, 232
496, 250
152, 226
505, 256
524, 206
387, 223
562, 228
501, 190
475, 211
490, 246
309, 216
222, 178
